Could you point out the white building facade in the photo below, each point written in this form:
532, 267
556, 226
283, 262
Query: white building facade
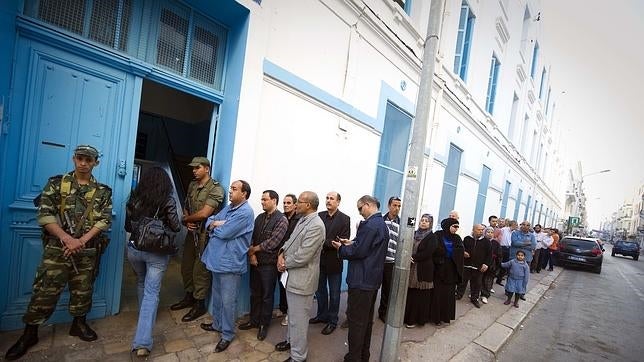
333, 84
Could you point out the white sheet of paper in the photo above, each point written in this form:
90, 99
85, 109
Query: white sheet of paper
284, 278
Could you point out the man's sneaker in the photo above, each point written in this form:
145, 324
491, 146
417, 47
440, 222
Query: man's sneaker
410, 326
492, 291
484, 300
284, 321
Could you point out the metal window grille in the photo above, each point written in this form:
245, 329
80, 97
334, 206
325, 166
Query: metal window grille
107, 25
104, 21
207, 53
66, 14
173, 38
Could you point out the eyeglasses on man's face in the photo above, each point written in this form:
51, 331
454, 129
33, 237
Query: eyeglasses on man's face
360, 207
455, 226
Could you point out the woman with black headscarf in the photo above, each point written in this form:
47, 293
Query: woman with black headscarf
448, 272
420, 274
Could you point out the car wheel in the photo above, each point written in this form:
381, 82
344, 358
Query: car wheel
598, 270
612, 253
636, 257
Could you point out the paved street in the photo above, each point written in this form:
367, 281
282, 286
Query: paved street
586, 317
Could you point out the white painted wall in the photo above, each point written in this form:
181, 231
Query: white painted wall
347, 52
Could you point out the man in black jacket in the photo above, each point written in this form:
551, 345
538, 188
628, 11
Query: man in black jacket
338, 225
269, 230
478, 256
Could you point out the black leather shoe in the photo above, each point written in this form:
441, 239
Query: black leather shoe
316, 320
222, 345
209, 327
198, 309
28, 339
261, 334
522, 297
499, 283
282, 346
328, 329
187, 302
81, 330
248, 325
476, 303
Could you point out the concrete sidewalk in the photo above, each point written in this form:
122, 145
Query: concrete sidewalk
477, 334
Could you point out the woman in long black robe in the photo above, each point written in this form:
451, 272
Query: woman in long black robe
448, 272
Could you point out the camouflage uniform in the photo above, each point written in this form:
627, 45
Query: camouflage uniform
55, 269
196, 278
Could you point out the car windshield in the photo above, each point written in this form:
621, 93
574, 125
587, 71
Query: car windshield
578, 243
629, 244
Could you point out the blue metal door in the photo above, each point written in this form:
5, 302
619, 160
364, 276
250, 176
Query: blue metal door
61, 100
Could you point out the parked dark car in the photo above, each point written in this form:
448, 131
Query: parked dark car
626, 248
581, 252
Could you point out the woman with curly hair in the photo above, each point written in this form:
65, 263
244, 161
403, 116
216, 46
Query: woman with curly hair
152, 196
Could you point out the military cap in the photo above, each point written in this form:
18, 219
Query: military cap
86, 150
196, 161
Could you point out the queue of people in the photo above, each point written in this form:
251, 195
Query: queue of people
301, 248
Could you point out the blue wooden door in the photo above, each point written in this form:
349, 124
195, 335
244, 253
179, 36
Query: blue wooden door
61, 100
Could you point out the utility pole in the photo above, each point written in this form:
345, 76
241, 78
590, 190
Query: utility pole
400, 280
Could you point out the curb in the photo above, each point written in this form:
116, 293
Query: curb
496, 335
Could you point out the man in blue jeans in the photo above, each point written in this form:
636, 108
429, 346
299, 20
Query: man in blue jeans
366, 255
230, 233
337, 225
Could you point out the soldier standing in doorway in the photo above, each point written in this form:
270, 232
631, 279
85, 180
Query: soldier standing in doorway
74, 211
203, 199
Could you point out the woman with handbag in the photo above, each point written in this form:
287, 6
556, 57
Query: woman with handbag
151, 200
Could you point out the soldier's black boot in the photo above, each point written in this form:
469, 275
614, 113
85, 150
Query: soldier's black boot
198, 309
81, 330
187, 301
28, 339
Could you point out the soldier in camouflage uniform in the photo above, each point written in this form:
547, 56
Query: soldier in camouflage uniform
203, 199
73, 240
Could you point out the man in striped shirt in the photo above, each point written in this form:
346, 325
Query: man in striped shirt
392, 220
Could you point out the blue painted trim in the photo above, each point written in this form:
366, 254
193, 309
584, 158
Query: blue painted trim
284, 76
391, 95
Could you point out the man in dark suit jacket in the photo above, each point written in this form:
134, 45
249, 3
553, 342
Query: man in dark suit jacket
366, 255
338, 225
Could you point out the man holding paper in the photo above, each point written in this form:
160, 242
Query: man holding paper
299, 260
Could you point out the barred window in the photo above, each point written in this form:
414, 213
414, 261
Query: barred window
173, 38
104, 21
191, 45
182, 40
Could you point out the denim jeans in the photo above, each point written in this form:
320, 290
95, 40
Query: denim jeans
329, 302
225, 288
149, 269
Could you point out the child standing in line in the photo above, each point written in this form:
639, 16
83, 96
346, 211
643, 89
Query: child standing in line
518, 276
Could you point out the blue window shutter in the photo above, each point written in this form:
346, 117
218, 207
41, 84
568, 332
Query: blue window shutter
481, 198
450, 181
463, 41
491, 86
504, 201
518, 205
527, 208
535, 55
